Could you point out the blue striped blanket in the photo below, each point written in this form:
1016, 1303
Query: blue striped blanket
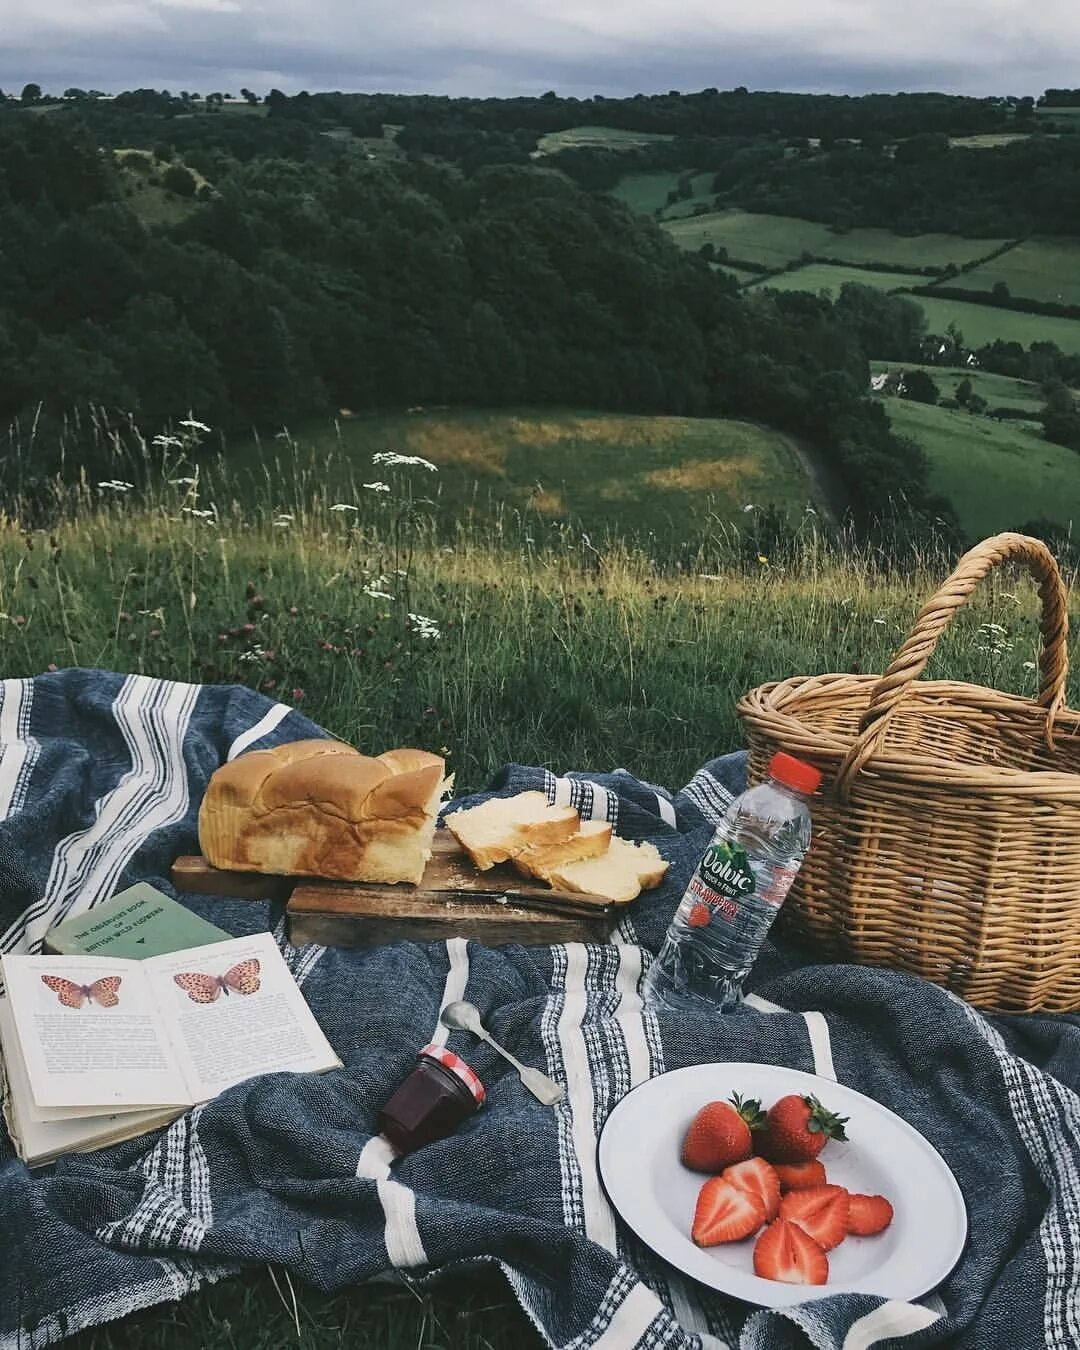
100, 780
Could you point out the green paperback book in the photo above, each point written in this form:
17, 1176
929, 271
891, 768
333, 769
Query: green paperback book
137, 923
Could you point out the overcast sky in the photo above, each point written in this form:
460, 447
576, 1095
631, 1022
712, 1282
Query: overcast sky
505, 47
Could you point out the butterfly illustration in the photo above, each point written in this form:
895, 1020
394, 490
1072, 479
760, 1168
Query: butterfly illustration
243, 978
72, 995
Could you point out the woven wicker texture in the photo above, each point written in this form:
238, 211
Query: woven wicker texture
947, 831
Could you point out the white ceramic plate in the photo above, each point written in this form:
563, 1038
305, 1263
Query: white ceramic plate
655, 1195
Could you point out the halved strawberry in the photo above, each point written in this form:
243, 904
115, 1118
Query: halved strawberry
756, 1176
821, 1211
724, 1213
867, 1214
785, 1252
797, 1176
719, 1134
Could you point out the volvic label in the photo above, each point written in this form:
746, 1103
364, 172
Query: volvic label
723, 878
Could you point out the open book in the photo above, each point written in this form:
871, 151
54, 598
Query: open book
100, 1049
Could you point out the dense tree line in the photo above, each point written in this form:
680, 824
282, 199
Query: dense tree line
922, 185
294, 287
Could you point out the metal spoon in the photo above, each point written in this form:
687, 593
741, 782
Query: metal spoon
462, 1016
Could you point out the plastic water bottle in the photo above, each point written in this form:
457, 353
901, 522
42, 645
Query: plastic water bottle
735, 893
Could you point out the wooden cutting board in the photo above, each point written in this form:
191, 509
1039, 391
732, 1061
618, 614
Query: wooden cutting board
454, 899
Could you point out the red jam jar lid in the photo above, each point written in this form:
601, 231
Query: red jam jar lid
458, 1068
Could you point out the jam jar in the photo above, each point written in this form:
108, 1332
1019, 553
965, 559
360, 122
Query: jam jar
432, 1102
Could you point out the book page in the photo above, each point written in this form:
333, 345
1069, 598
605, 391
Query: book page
233, 1011
89, 1032
38, 1142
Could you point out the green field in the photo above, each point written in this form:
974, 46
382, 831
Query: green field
645, 193
988, 141
600, 138
1037, 269
740, 274
998, 475
983, 323
1000, 391
141, 175
825, 277
1068, 117
669, 475
777, 240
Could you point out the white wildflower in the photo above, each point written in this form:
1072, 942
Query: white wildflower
1030, 665
376, 487
425, 627
253, 654
750, 506
184, 482
117, 485
344, 506
376, 594
168, 442
197, 513
393, 460
283, 521
191, 424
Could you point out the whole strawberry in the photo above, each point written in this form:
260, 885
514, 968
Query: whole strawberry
797, 1128
720, 1134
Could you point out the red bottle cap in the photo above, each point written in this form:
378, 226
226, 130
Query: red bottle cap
794, 773
458, 1068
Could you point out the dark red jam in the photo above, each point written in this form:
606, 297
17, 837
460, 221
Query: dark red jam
431, 1103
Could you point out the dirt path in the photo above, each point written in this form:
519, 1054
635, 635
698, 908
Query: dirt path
827, 488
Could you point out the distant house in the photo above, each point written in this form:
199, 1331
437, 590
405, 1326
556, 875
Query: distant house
889, 384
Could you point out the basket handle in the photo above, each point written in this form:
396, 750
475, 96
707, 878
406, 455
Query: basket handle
936, 615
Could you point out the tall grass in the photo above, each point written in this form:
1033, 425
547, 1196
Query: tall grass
496, 635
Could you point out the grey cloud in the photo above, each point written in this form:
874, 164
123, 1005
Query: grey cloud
483, 47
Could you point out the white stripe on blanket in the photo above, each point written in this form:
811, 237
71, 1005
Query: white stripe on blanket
599, 1223
816, 1028
153, 717
1047, 1116
457, 977
263, 727
883, 1324
638, 1310
18, 749
404, 1245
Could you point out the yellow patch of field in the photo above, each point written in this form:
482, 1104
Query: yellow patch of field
463, 444
704, 475
625, 430
547, 503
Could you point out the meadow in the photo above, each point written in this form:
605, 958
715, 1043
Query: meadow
645, 193
778, 240
538, 644
996, 474
602, 138
1000, 391
981, 324
816, 277
674, 476
1036, 269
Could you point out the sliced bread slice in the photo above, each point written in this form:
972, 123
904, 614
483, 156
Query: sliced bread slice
503, 827
590, 841
620, 874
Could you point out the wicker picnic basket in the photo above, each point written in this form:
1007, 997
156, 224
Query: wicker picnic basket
947, 833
